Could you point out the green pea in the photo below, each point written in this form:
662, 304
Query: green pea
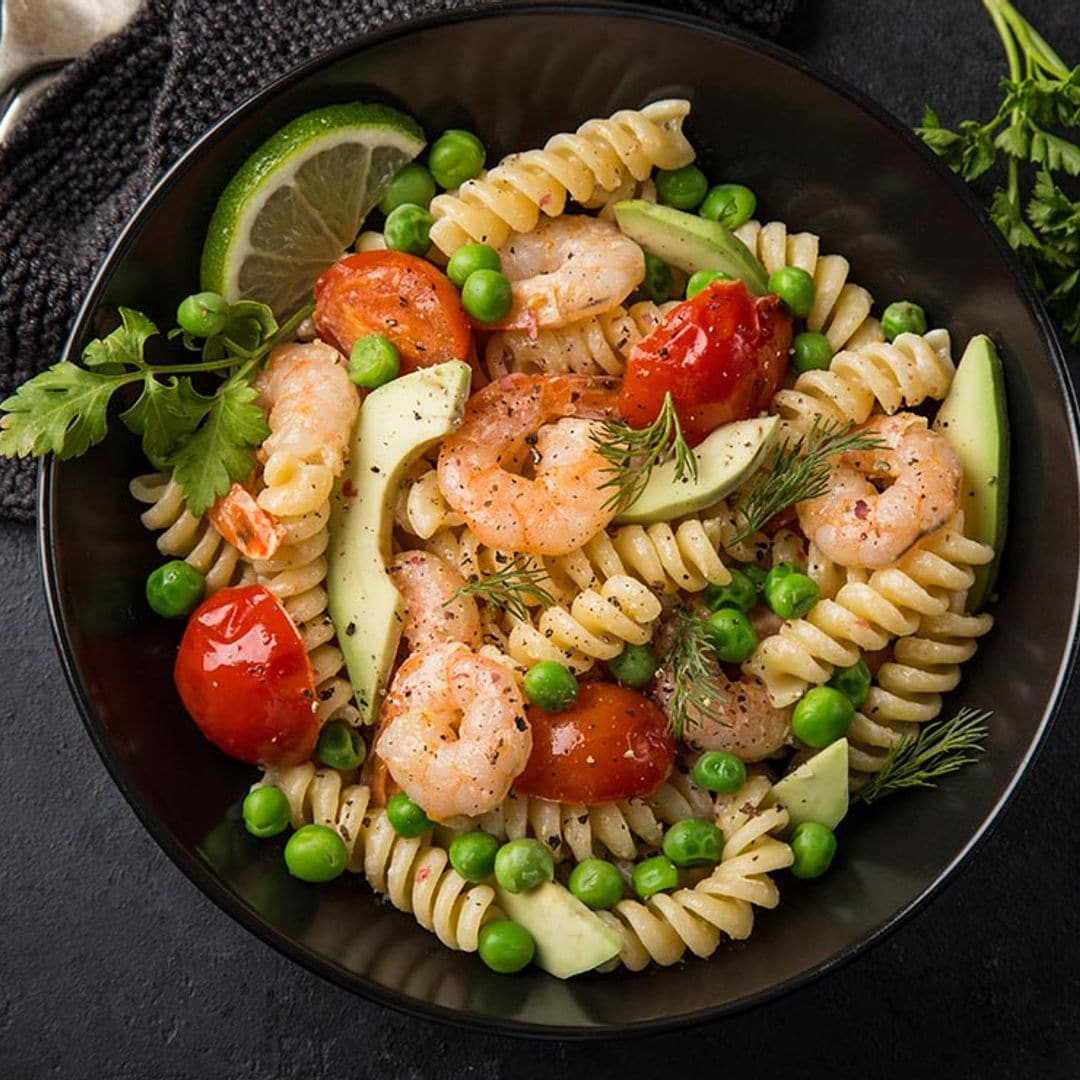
902, 317
472, 855
730, 204
203, 314
795, 287
821, 716
506, 946
408, 229
740, 592
684, 188
719, 771
407, 818
634, 666
757, 574
654, 875
790, 593
487, 296
814, 847
731, 636
693, 842
266, 812
373, 361
340, 746
812, 352
468, 259
523, 864
702, 279
456, 156
596, 883
853, 682
411, 184
551, 685
175, 588
657, 284
315, 853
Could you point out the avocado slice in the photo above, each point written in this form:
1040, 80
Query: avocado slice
817, 790
398, 422
729, 456
569, 937
690, 242
973, 418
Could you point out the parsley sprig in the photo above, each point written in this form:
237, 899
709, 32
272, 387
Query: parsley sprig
208, 440
940, 748
798, 470
695, 691
510, 589
1035, 213
633, 453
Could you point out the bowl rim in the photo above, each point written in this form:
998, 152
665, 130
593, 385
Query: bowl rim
197, 871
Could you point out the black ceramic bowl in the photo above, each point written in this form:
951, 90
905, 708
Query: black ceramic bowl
819, 157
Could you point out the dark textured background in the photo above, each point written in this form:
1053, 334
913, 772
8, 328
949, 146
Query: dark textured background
114, 966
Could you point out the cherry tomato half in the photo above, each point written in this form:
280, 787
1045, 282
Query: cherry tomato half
399, 295
722, 355
612, 743
244, 676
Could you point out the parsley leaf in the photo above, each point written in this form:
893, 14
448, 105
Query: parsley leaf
62, 410
220, 451
123, 347
166, 412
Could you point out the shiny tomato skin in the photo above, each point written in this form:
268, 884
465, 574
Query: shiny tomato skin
244, 676
399, 295
722, 355
611, 744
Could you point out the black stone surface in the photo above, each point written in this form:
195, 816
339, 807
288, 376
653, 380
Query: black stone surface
112, 965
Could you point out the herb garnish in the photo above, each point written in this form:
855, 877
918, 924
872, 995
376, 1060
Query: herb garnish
940, 748
510, 589
798, 470
693, 675
208, 440
633, 453
1041, 93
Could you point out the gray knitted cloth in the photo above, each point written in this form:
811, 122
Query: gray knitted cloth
90, 148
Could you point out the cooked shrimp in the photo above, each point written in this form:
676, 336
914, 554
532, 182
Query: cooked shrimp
312, 406
542, 419
453, 731
569, 268
433, 614
243, 523
860, 524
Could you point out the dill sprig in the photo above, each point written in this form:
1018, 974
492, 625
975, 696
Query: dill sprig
940, 748
799, 470
633, 453
693, 677
510, 589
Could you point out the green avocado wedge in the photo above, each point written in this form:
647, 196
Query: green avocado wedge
398, 422
690, 242
728, 457
973, 418
817, 790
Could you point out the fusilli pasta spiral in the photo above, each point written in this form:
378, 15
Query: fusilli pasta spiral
841, 310
602, 153
185, 536
867, 612
620, 829
413, 874
906, 373
296, 575
595, 346
661, 929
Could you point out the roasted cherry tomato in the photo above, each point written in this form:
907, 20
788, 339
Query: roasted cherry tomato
400, 296
612, 743
721, 353
244, 676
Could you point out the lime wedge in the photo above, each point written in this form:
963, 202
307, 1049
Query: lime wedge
299, 201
